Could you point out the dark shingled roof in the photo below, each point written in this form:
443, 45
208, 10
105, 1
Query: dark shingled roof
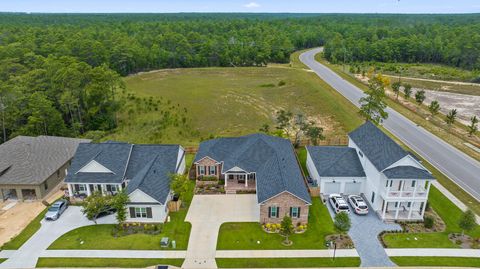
407, 172
146, 166
31, 160
336, 161
380, 149
271, 158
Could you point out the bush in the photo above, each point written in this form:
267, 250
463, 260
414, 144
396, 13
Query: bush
342, 222
281, 83
429, 222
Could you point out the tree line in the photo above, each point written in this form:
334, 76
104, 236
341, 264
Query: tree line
61, 74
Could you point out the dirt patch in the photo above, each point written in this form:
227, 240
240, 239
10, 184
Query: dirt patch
464, 241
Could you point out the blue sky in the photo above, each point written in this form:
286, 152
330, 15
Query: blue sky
310, 6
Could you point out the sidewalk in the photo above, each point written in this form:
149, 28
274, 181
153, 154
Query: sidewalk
433, 252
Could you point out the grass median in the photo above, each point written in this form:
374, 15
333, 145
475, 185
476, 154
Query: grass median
287, 262
105, 262
436, 261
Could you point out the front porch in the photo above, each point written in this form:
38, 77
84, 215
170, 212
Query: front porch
411, 211
240, 182
82, 190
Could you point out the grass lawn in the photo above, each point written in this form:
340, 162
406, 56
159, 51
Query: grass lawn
226, 102
286, 262
26, 233
302, 157
450, 215
106, 262
436, 261
2, 260
244, 236
99, 236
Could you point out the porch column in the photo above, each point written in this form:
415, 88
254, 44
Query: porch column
88, 189
384, 209
1, 195
423, 209
398, 209
246, 180
70, 192
19, 194
410, 209
428, 187
226, 180
415, 189
402, 185
119, 187
103, 188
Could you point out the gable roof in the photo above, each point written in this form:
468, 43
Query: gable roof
146, 166
336, 161
380, 149
407, 172
271, 158
31, 160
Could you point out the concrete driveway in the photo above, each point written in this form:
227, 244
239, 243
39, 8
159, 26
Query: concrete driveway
28, 254
364, 233
206, 214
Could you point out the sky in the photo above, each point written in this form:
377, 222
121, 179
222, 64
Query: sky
296, 6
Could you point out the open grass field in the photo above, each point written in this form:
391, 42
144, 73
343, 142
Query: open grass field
188, 105
287, 262
244, 236
450, 215
105, 262
436, 261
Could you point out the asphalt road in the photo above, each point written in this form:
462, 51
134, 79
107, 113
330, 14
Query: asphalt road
456, 165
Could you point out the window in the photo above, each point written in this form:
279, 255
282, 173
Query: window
140, 212
360, 153
201, 170
46, 185
113, 188
396, 204
409, 204
373, 197
81, 187
274, 212
413, 183
58, 173
386, 185
295, 212
251, 176
212, 170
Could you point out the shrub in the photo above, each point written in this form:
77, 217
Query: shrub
342, 222
281, 83
429, 222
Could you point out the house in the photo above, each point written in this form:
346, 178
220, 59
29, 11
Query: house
143, 170
31, 167
391, 179
265, 165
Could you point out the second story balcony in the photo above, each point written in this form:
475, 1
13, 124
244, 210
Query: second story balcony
407, 189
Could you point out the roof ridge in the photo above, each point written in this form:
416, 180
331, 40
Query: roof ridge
150, 164
338, 158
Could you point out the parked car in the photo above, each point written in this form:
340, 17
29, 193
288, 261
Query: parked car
56, 210
358, 204
338, 203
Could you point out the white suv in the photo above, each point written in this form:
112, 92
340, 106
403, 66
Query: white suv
338, 203
358, 204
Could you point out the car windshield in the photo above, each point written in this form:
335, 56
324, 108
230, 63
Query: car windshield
362, 207
53, 208
343, 207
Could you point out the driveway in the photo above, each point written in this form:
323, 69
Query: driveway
364, 233
28, 254
206, 214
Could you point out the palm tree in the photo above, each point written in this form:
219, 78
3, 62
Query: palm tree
434, 107
451, 116
473, 127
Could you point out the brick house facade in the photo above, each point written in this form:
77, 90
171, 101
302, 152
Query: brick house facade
206, 164
283, 205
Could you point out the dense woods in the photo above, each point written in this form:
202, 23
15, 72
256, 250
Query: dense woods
61, 74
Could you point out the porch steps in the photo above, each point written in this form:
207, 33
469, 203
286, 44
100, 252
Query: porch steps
230, 192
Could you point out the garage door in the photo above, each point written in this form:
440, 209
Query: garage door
352, 188
330, 187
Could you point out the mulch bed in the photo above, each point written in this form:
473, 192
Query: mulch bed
464, 241
419, 227
342, 240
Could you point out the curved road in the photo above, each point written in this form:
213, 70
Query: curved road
459, 167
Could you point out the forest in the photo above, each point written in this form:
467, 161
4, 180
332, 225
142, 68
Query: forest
61, 74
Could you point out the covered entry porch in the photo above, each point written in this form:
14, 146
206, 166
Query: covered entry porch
240, 181
403, 210
82, 190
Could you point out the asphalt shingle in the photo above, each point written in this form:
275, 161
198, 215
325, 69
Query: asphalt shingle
407, 172
336, 161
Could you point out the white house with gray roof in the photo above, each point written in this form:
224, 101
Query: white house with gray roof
31, 167
143, 170
391, 179
260, 164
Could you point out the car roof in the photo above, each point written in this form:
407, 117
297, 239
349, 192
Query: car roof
57, 203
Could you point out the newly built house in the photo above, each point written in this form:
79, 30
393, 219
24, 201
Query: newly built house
31, 167
143, 170
391, 179
261, 164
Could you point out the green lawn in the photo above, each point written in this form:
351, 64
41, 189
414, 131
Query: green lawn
226, 102
106, 262
286, 262
302, 157
245, 235
436, 261
100, 237
450, 215
2, 260
26, 233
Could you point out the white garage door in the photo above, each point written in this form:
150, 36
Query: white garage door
352, 188
330, 187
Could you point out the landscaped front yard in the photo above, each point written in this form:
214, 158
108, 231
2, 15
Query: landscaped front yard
246, 235
105, 262
286, 262
450, 214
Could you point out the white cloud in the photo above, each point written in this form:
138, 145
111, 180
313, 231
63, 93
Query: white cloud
252, 5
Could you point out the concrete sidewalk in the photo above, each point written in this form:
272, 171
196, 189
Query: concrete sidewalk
433, 252
300, 253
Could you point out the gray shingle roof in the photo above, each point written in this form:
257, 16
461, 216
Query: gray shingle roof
271, 158
146, 166
31, 160
331, 161
380, 149
407, 172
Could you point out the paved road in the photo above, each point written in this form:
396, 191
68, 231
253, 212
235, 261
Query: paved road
459, 167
